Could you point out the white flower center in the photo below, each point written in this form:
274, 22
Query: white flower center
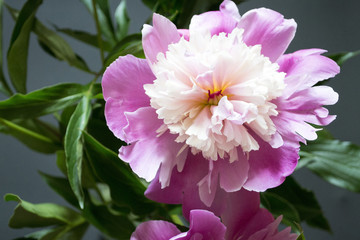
215, 92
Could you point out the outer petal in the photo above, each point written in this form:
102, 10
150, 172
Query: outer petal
123, 91
305, 68
269, 166
269, 29
204, 225
270, 232
157, 38
216, 22
155, 230
147, 150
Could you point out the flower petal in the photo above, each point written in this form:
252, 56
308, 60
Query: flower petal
305, 68
155, 230
270, 166
157, 38
149, 151
123, 90
216, 22
204, 225
269, 29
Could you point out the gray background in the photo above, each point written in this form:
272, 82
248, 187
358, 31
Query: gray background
328, 24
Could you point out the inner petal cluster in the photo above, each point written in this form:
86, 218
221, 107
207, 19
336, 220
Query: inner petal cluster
215, 93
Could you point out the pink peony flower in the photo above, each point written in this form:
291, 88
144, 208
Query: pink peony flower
221, 95
241, 219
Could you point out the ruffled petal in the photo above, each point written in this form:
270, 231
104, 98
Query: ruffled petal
269, 166
123, 90
157, 38
155, 230
269, 29
216, 22
147, 150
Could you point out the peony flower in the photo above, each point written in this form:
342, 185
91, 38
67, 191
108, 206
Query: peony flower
222, 95
241, 219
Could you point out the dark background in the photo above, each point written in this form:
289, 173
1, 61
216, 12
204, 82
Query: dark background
329, 24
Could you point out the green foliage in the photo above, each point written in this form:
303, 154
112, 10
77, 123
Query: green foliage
74, 146
41, 102
67, 223
341, 58
18, 50
299, 204
335, 161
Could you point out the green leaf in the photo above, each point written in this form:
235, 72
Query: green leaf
335, 161
114, 225
74, 146
19, 45
62, 187
98, 128
304, 201
33, 139
126, 189
40, 215
278, 205
4, 87
340, 58
122, 20
105, 22
85, 37
54, 44
301, 237
61, 161
41, 102
131, 44
65, 232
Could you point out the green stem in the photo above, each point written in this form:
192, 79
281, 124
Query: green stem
99, 38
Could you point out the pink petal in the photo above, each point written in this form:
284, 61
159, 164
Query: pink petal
155, 230
233, 175
148, 150
269, 166
269, 29
270, 232
216, 22
204, 225
241, 206
305, 68
157, 38
123, 91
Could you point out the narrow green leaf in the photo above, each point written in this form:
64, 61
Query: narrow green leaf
64, 232
341, 58
131, 44
41, 102
304, 201
104, 18
61, 161
85, 37
122, 20
4, 87
40, 215
126, 189
54, 44
74, 146
62, 187
30, 138
19, 45
301, 237
335, 161
114, 225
